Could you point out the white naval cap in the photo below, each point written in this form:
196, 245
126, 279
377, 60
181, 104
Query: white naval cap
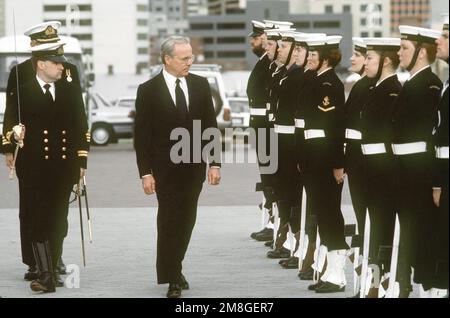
50, 51
382, 44
281, 25
324, 42
273, 34
287, 35
301, 37
46, 32
359, 45
445, 21
258, 29
412, 33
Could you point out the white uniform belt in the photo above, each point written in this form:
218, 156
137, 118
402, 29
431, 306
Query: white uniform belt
353, 134
373, 149
314, 133
282, 129
409, 148
299, 123
267, 106
442, 152
258, 111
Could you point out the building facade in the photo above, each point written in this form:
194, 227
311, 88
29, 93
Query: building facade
411, 12
111, 43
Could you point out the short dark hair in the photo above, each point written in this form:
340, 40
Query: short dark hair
392, 55
333, 56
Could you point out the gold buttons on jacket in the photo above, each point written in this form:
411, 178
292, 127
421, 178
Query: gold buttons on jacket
64, 157
47, 157
63, 132
64, 148
45, 132
46, 141
46, 149
64, 140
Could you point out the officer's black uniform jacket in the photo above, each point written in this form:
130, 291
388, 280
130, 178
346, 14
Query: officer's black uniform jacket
375, 124
324, 110
353, 108
416, 107
256, 89
441, 140
56, 139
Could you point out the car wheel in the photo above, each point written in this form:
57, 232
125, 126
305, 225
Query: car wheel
101, 135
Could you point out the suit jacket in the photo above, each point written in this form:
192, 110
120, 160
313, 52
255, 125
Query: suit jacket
56, 139
256, 90
156, 117
441, 140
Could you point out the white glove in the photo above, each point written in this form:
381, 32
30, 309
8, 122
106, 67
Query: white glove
19, 133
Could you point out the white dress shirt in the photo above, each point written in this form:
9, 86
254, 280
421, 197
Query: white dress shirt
42, 84
171, 85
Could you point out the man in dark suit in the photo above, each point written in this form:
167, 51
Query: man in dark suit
41, 34
51, 126
173, 99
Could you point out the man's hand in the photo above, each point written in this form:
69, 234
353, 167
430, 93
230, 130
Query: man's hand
149, 185
82, 173
437, 196
9, 160
339, 175
214, 176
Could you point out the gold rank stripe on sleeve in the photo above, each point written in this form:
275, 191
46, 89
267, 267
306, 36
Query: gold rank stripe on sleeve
88, 137
326, 109
435, 87
8, 135
82, 153
393, 94
5, 141
326, 84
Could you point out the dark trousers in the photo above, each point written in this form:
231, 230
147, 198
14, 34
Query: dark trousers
416, 210
382, 218
262, 138
358, 194
177, 213
325, 194
43, 216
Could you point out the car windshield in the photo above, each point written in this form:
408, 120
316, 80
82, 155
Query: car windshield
238, 106
7, 62
129, 103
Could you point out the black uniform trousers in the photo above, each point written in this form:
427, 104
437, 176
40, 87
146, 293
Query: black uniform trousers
416, 210
177, 213
381, 205
288, 184
357, 182
43, 215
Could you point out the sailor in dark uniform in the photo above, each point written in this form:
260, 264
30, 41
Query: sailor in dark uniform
257, 97
376, 132
322, 157
439, 244
413, 122
353, 155
44, 33
287, 181
53, 130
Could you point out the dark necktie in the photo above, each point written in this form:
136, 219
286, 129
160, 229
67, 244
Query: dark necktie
48, 95
181, 102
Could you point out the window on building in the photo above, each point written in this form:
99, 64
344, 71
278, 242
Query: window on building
85, 22
83, 37
364, 34
231, 40
302, 25
328, 9
363, 22
85, 7
209, 54
363, 7
142, 22
142, 50
266, 14
171, 9
88, 51
142, 36
141, 66
202, 26
208, 40
231, 26
231, 54
110, 69
142, 8
53, 8
159, 9
326, 24
378, 34
347, 8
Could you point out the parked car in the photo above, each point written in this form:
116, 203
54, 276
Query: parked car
240, 112
108, 122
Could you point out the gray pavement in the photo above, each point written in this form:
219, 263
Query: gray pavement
222, 260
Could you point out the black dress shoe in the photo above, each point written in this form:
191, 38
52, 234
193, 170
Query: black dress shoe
61, 267
265, 231
45, 283
290, 263
328, 288
58, 280
264, 237
307, 274
31, 274
174, 290
269, 244
184, 283
316, 285
279, 253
